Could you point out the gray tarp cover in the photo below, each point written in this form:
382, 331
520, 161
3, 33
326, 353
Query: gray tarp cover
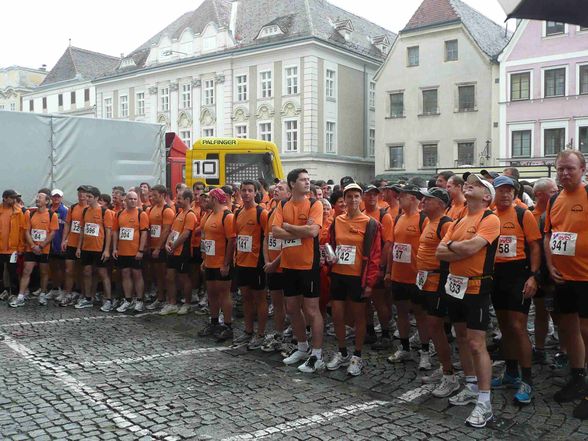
64, 152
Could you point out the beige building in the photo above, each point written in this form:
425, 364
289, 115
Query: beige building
437, 92
16, 81
296, 72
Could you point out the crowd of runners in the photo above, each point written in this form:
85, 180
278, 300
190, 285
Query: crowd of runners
451, 254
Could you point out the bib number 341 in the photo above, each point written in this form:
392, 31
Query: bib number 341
563, 244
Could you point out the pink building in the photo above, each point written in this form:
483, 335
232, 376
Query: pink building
543, 92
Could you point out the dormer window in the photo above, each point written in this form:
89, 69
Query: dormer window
345, 28
269, 31
382, 43
127, 62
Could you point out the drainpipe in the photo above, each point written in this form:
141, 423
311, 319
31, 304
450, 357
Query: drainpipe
365, 111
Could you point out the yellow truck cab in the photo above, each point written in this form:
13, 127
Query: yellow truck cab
220, 161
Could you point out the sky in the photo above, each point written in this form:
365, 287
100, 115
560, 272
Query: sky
37, 32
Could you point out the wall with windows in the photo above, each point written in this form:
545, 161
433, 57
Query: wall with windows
434, 101
544, 92
77, 98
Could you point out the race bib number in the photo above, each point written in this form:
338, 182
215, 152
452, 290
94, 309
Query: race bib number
345, 254
456, 286
38, 235
155, 231
13, 257
92, 230
563, 244
244, 244
75, 227
173, 236
402, 252
507, 246
288, 243
209, 247
421, 279
273, 243
126, 233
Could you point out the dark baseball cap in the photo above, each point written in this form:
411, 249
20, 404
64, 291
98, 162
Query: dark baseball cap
371, 188
503, 180
487, 174
413, 190
11, 194
83, 188
394, 187
438, 193
346, 180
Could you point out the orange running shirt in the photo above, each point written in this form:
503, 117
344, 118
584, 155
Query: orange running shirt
274, 246
481, 263
537, 214
40, 226
426, 260
511, 242
386, 221
5, 216
299, 254
184, 221
128, 226
196, 236
569, 252
456, 210
406, 239
159, 216
94, 227
74, 220
349, 234
249, 235
215, 235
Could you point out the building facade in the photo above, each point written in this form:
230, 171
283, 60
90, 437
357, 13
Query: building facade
15, 81
437, 92
298, 73
67, 88
544, 92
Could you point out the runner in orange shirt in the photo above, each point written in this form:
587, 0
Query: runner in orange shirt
250, 222
161, 217
40, 227
298, 222
390, 195
144, 194
12, 224
470, 246
457, 209
275, 275
178, 250
129, 240
516, 279
94, 248
402, 271
196, 260
118, 196
218, 242
354, 273
566, 252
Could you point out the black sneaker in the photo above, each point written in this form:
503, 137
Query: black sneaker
225, 333
573, 390
581, 411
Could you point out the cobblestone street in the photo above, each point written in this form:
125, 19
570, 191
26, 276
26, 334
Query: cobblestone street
85, 375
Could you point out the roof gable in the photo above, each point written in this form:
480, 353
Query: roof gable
76, 63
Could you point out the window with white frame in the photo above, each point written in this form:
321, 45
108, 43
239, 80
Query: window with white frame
520, 86
141, 103
583, 79
412, 54
521, 143
208, 92
554, 82
396, 156
124, 106
465, 153
164, 99
451, 50
186, 96
241, 87
292, 80
265, 79
372, 95
265, 131
554, 28
372, 143
268, 31
554, 140
241, 131
583, 139
330, 137
291, 136
207, 132
330, 84
186, 137
429, 155
108, 107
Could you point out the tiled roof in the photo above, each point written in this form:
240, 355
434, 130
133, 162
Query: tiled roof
490, 37
82, 64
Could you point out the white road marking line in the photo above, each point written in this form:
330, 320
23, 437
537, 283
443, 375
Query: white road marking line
312, 420
144, 358
115, 411
416, 393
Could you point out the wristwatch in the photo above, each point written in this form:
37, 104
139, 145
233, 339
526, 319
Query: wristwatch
537, 276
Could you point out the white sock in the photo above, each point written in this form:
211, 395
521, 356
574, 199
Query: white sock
318, 353
21, 296
484, 396
303, 347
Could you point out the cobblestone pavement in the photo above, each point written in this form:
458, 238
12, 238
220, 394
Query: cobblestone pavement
86, 375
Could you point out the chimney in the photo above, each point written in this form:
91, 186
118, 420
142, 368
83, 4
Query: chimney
43, 67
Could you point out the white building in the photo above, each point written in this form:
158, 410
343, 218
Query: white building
15, 81
437, 92
67, 89
296, 72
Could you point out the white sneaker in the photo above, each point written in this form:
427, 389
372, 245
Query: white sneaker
415, 341
43, 299
184, 309
355, 366
296, 357
124, 306
17, 301
84, 303
465, 397
434, 378
156, 304
60, 297
139, 306
106, 306
481, 414
311, 365
169, 310
338, 361
425, 361
448, 385
399, 356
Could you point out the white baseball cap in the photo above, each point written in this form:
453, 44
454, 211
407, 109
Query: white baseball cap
484, 182
57, 192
